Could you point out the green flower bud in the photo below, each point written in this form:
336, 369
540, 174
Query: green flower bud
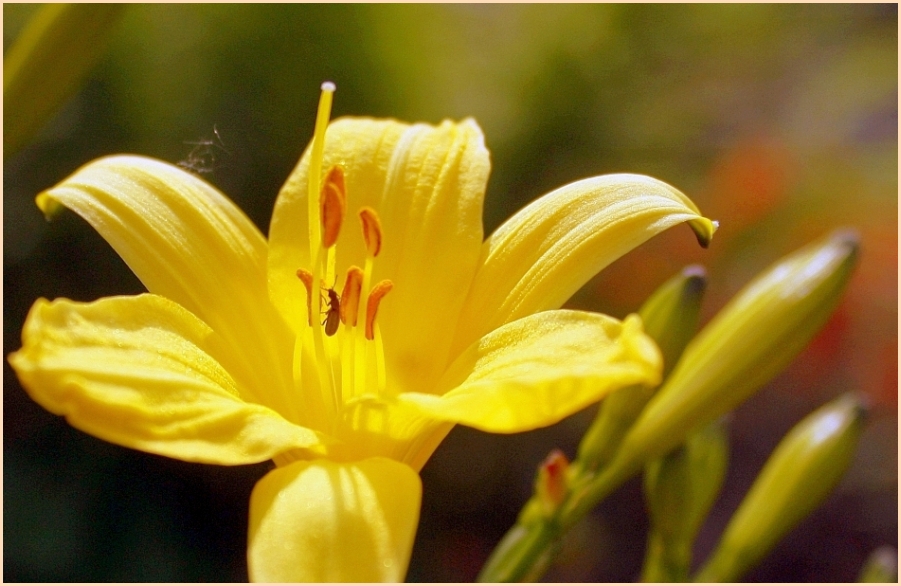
48, 62
670, 316
750, 341
679, 490
798, 476
881, 566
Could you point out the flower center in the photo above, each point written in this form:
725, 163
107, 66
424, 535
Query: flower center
348, 350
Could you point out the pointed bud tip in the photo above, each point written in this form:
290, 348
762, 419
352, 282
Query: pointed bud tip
48, 206
695, 279
847, 238
860, 402
694, 272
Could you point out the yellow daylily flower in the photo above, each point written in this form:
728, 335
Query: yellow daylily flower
246, 349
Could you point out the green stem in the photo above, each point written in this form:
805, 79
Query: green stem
665, 562
528, 547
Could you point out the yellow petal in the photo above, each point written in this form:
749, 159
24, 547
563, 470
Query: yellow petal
140, 372
539, 369
392, 429
538, 258
432, 219
191, 244
324, 521
427, 184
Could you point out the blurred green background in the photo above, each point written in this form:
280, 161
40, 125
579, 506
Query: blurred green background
780, 121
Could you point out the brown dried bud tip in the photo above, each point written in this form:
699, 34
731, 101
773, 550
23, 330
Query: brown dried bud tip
372, 230
372, 305
332, 205
350, 297
307, 278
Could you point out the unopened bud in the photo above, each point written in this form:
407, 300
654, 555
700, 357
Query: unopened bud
670, 316
881, 566
800, 473
750, 341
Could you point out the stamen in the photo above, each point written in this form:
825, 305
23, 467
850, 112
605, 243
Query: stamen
336, 175
372, 305
307, 278
372, 230
350, 297
332, 205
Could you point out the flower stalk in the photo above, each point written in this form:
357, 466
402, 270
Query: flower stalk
680, 488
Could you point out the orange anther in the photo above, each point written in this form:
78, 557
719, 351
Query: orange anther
372, 230
372, 305
350, 297
307, 278
336, 176
332, 205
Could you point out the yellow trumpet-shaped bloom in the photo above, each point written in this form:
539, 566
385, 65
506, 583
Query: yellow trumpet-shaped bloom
348, 344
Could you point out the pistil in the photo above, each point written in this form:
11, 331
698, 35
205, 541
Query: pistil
325, 215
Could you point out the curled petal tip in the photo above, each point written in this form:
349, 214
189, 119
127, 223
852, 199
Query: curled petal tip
704, 230
48, 206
